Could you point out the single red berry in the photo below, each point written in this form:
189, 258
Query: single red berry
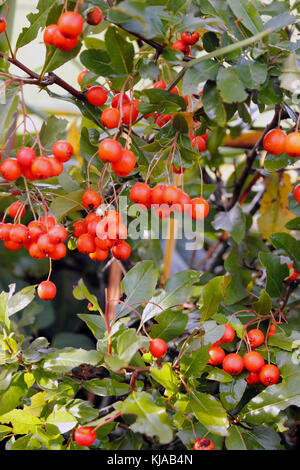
182, 47
56, 165
62, 42
104, 243
116, 101
5, 231
94, 16
157, 194
274, 141
79, 228
91, 199
46, 290
85, 436
158, 347
233, 364
45, 244
81, 75
296, 193
99, 255
121, 251
253, 361
140, 193
272, 330
125, 165
17, 209
110, 118
63, 150
171, 195
26, 156
183, 202
58, 234
35, 252
49, 34
59, 252
129, 113
253, 378
18, 233
12, 246
204, 444
269, 375
3, 24
10, 169
292, 145
198, 209
97, 95
110, 150
86, 244
70, 24
255, 337
48, 221
35, 230
294, 274
216, 355
190, 38
41, 168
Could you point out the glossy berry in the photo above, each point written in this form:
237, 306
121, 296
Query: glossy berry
294, 274
35, 230
216, 355
99, 255
110, 118
85, 436
48, 221
79, 228
125, 165
26, 156
204, 444
41, 168
94, 16
49, 34
63, 150
292, 144
255, 338
2, 24
10, 169
59, 252
86, 244
272, 330
157, 194
110, 150
62, 42
201, 143
46, 290
269, 375
121, 251
70, 24
58, 234
190, 38
18, 233
45, 244
140, 193
97, 95
12, 246
253, 361
233, 364
81, 75
182, 47
91, 199
116, 101
228, 335
274, 142
158, 347
17, 209
296, 193
253, 378
198, 209
56, 166
171, 195
129, 113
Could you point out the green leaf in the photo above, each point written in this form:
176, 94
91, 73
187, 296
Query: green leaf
219, 375
194, 363
247, 14
121, 52
81, 292
232, 393
63, 204
171, 324
294, 224
59, 58
231, 88
252, 74
20, 300
212, 296
129, 343
199, 73
258, 438
285, 241
106, 387
213, 104
276, 273
52, 130
163, 101
13, 395
62, 419
264, 304
95, 323
64, 360
275, 162
233, 221
152, 419
22, 421
37, 20
97, 61
7, 109
165, 376
209, 412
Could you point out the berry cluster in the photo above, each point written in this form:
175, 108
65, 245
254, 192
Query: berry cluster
253, 361
97, 235
122, 161
33, 167
167, 199
277, 141
186, 40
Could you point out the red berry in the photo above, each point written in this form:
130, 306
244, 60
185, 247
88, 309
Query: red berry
292, 145
110, 150
59, 252
63, 150
58, 234
26, 156
18, 233
99, 255
49, 34
97, 95
255, 337
228, 335
35, 230
253, 378
12, 246
79, 228
157, 194
190, 38
47, 290
81, 75
35, 252
297, 193
86, 244
269, 375
48, 221
70, 24
62, 42
129, 113
85, 436
140, 193
272, 330
94, 17
5, 231
91, 199
162, 119
158, 347
216, 355
294, 274
2, 24
45, 244
121, 251
233, 364
17, 209
253, 361
125, 165
110, 118
204, 444
41, 168
116, 101
10, 169
171, 195
182, 47
198, 209
274, 141
56, 166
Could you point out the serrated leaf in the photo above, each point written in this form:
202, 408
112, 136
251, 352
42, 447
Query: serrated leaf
37, 20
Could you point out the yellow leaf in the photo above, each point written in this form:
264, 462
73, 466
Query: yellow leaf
74, 139
274, 205
37, 403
